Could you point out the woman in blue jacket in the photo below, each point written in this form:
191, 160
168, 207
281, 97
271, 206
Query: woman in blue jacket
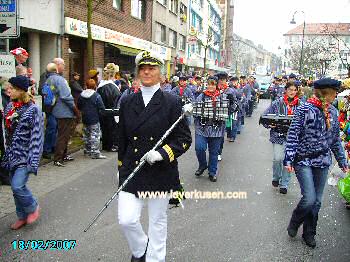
313, 134
24, 126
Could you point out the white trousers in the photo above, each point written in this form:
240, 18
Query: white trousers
129, 213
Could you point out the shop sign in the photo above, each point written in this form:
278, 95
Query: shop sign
79, 28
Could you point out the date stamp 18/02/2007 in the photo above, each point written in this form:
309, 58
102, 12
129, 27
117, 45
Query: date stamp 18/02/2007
33, 244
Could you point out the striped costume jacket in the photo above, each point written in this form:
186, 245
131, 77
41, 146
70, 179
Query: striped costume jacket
309, 143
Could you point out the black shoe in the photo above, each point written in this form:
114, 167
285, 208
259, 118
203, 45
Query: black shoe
283, 191
200, 171
47, 155
238, 132
68, 158
347, 206
292, 230
309, 240
114, 149
140, 259
275, 183
213, 178
231, 140
58, 163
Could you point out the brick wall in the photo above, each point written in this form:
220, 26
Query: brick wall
107, 16
65, 56
99, 54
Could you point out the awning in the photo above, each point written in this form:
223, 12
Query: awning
124, 50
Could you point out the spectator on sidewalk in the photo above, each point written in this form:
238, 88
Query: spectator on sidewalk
110, 95
51, 121
93, 74
91, 106
65, 111
24, 142
76, 87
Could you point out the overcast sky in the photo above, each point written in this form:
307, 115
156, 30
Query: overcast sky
265, 21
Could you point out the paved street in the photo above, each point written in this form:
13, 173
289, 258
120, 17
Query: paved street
205, 231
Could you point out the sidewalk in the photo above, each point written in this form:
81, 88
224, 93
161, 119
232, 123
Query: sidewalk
51, 177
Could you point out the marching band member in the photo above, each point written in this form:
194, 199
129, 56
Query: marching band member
183, 91
313, 134
209, 131
144, 117
242, 84
199, 86
285, 105
224, 88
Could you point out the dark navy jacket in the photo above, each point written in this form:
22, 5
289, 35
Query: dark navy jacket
140, 128
91, 106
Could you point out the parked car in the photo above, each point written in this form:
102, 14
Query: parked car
264, 84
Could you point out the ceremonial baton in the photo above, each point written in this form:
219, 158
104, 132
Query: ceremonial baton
187, 111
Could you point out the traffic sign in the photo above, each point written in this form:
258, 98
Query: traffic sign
9, 25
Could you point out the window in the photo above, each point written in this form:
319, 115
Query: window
174, 5
172, 38
182, 42
183, 9
138, 9
117, 4
196, 21
163, 2
160, 33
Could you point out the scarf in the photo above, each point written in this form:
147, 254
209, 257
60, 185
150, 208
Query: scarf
12, 114
290, 104
182, 89
318, 103
136, 89
223, 86
213, 95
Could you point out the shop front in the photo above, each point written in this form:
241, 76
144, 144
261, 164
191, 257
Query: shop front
118, 48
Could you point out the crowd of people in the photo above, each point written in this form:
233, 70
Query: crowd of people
119, 113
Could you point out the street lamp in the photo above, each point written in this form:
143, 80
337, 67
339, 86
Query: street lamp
302, 39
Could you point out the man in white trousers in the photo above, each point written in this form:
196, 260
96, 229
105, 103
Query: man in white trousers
144, 118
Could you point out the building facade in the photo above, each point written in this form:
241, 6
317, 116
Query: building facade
326, 50
205, 25
227, 9
169, 29
41, 25
120, 30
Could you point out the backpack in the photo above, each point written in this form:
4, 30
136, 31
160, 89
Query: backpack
48, 95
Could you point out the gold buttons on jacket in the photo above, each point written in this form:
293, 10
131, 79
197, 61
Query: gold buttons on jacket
135, 150
135, 137
136, 162
151, 138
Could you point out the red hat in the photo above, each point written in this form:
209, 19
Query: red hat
19, 51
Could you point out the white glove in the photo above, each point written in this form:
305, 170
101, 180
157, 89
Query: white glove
153, 156
188, 108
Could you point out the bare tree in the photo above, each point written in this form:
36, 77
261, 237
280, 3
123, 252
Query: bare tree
208, 41
341, 47
91, 7
315, 50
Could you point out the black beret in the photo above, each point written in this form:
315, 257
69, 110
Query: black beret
212, 78
242, 77
21, 82
284, 77
292, 75
222, 75
327, 83
183, 78
234, 78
